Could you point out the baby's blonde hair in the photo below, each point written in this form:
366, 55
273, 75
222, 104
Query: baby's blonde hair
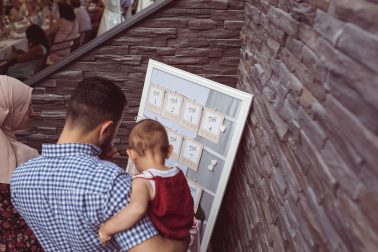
149, 136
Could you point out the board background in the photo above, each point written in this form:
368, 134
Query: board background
233, 103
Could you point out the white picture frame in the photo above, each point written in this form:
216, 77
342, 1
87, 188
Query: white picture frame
198, 88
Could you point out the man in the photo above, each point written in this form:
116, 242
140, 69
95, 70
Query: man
66, 193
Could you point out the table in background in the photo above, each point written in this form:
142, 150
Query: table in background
16, 39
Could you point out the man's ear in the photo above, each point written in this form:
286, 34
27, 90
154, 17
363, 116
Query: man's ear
105, 131
170, 150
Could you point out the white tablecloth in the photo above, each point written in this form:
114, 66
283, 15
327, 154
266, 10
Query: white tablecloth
6, 47
144, 4
17, 40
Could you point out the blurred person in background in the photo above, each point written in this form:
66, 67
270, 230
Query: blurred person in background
95, 9
127, 8
66, 28
18, 11
34, 12
111, 16
26, 62
82, 16
84, 21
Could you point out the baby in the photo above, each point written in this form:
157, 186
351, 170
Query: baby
158, 190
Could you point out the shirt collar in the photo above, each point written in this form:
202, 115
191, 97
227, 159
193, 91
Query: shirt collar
70, 149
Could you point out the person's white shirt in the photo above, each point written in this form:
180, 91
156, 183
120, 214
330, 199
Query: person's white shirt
83, 19
111, 17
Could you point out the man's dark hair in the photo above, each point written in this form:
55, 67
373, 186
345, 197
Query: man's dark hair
95, 100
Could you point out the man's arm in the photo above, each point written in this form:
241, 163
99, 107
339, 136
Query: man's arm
117, 198
129, 215
142, 236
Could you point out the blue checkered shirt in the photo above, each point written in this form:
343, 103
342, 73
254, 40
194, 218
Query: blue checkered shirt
67, 192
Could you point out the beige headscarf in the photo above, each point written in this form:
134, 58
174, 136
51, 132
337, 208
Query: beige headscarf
15, 98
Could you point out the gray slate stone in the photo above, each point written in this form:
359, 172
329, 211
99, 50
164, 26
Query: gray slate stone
328, 26
283, 20
360, 45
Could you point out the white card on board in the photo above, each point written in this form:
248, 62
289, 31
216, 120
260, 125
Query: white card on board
155, 99
175, 140
211, 125
190, 115
191, 152
172, 106
196, 192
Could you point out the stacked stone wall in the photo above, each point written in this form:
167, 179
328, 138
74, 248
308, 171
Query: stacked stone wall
306, 175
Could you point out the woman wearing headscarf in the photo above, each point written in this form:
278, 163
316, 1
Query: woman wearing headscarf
15, 112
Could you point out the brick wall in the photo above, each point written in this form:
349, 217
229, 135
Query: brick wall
306, 176
200, 36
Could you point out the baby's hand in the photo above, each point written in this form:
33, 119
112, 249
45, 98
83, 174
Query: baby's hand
104, 238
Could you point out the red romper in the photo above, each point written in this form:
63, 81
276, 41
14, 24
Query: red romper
171, 210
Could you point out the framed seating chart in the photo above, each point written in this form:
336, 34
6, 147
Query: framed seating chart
205, 121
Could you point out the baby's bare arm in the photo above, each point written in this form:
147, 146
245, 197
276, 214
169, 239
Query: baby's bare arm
132, 213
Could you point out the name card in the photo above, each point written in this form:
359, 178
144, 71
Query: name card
191, 152
190, 115
155, 99
196, 192
172, 106
211, 125
176, 141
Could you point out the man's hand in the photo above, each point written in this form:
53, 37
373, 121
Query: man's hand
109, 153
